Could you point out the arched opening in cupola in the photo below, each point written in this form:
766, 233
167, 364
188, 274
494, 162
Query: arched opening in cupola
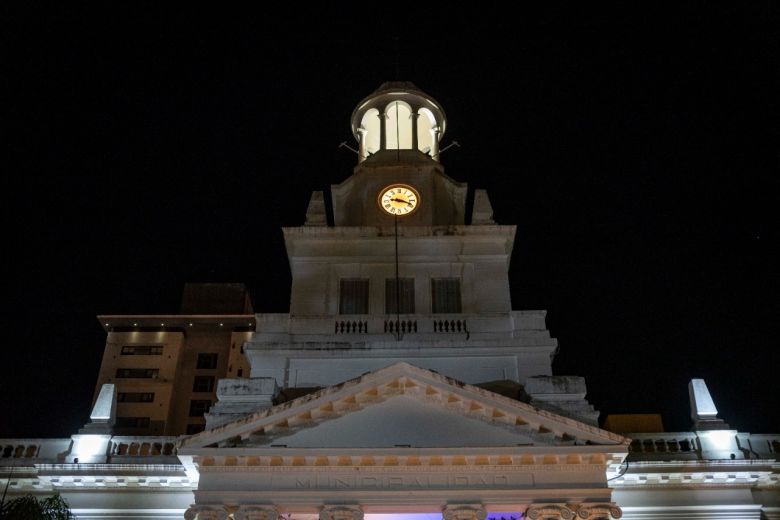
426, 131
398, 126
370, 129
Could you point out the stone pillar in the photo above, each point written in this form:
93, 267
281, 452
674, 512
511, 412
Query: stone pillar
382, 130
464, 512
414, 115
362, 153
206, 512
250, 512
435, 142
341, 512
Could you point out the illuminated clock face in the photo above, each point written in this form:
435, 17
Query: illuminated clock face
399, 199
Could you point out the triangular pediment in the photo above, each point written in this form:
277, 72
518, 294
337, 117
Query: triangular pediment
401, 406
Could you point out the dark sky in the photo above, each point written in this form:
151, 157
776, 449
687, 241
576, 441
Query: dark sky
637, 152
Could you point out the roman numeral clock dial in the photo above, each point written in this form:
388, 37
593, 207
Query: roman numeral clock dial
399, 200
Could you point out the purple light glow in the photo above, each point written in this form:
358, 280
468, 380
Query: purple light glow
437, 516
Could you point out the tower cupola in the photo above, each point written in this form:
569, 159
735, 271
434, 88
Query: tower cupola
398, 115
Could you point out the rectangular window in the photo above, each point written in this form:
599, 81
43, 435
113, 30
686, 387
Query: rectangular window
203, 384
132, 422
192, 429
207, 361
445, 295
403, 291
199, 406
137, 373
353, 296
135, 397
142, 350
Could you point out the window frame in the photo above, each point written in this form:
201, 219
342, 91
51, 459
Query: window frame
132, 422
442, 303
138, 397
196, 404
361, 284
200, 379
135, 373
201, 364
141, 350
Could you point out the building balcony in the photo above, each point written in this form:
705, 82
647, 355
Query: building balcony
275, 328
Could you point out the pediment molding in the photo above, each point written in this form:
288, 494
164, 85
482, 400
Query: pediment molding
402, 379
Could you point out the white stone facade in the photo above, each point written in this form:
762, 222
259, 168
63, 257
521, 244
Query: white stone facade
388, 420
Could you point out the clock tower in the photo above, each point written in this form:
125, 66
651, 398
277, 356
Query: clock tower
404, 276
398, 129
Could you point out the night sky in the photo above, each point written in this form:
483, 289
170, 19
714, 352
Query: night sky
637, 152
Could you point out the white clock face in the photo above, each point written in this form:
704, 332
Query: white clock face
399, 199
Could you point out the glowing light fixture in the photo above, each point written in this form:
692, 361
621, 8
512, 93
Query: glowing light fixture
89, 445
721, 439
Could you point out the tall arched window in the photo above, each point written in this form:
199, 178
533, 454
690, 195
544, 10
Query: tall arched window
370, 128
425, 131
398, 126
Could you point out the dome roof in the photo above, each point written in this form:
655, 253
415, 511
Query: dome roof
390, 91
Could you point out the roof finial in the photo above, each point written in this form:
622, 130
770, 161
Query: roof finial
703, 411
397, 57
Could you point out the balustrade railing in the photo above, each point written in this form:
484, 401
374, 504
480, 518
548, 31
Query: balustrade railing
405, 324
450, 326
142, 446
664, 444
50, 449
402, 326
351, 327
687, 445
55, 449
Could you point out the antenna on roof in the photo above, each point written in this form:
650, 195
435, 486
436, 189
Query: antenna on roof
344, 144
397, 58
453, 143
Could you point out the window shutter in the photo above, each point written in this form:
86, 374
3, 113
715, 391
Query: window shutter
353, 296
445, 295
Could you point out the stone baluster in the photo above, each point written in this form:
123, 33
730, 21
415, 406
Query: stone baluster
464, 512
341, 512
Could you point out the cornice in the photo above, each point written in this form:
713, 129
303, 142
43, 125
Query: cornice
565, 468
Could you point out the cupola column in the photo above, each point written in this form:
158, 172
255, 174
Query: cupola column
362, 143
415, 114
383, 130
435, 143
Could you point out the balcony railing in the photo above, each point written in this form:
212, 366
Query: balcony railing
685, 445
120, 448
404, 324
142, 446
